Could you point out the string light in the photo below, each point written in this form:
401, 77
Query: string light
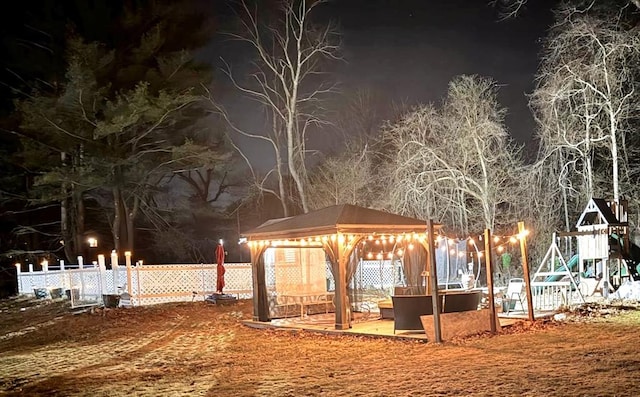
383, 240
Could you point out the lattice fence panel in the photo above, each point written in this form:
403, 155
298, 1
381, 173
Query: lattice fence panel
380, 275
85, 286
160, 283
372, 281
149, 284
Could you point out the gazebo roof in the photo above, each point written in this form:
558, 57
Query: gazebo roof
344, 218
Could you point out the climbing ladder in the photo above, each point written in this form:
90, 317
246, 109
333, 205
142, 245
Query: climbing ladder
554, 285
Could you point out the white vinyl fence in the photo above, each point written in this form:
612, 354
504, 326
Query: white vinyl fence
146, 284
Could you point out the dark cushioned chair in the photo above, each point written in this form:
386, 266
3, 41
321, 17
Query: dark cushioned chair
461, 301
407, 310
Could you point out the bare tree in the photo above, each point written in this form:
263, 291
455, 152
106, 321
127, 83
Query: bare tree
585, 100
511, 8
456, 164
287, 84
344, 179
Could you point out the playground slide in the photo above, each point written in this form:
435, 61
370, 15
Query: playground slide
633, 259
571, 265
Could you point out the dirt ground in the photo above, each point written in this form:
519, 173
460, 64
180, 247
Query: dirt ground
199, 348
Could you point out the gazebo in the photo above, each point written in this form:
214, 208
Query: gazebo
341, 234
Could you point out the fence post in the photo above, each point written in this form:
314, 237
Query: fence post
45, 270
127, 263
115, 271
61, 264
102, 269
80, 262
19, 276
138, 282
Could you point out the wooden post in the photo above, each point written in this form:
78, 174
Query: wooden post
127, 263
343, 305
525, 269
433, 278
260, 298
489, 268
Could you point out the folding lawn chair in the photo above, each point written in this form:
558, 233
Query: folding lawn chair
515, 290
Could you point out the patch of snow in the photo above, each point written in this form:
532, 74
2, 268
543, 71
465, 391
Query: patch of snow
628, 290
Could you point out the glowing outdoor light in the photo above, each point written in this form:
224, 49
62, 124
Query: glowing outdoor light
93, 242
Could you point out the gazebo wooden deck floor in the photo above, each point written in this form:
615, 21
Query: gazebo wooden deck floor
363, 325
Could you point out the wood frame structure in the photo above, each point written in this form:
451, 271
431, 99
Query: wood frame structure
337, 230
601, 220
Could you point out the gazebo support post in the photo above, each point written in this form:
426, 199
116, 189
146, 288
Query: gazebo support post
260, 299
343, 318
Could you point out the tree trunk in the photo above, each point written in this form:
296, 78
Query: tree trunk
118, 229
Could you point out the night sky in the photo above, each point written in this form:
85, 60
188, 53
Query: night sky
411, 49
408, 51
